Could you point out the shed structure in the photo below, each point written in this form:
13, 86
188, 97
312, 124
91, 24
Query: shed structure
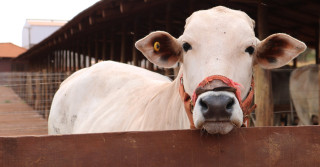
8, 52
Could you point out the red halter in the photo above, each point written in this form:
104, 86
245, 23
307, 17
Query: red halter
246, 104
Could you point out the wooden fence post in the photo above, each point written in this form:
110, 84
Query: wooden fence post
22, 85
318, 58
263, 87
150, 28
89, 52
29, 92
168, 71
96, 49
104, 46
37, 92
123, 43
45, 93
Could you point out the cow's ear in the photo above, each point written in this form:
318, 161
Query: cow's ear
160, 48
277, 50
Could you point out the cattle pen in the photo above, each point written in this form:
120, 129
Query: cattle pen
107, 31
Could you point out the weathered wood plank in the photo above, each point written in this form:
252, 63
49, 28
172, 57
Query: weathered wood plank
265, 146
318, 56
262, 78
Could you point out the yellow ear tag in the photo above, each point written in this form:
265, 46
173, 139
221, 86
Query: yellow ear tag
156, 46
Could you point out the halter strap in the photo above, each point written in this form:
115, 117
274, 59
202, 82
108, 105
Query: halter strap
187, 101
246, 104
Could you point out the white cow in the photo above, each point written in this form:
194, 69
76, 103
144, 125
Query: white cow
304, 91
217, 49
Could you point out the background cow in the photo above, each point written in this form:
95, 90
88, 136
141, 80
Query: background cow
217, 49
304, 90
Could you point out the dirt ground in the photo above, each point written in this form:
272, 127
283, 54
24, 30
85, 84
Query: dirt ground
17, 118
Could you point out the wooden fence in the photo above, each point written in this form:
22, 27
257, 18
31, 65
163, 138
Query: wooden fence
243, 147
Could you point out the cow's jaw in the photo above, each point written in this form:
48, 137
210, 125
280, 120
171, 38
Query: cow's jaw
214, 125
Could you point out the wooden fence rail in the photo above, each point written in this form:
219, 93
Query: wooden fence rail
243, 147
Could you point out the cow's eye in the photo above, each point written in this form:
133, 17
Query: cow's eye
186, 46
250, 50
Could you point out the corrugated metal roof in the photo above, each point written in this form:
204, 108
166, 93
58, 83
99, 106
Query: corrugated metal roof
9, 50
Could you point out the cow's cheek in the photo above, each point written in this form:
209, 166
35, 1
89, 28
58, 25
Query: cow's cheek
237, 115
198, 118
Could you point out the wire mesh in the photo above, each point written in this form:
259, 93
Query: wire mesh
36, 89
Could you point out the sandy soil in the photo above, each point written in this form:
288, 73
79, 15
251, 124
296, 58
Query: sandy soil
17, 118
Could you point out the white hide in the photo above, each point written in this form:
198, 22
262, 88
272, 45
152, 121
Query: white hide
304, 91
112, 96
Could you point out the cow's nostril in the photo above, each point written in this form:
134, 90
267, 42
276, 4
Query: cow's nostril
203, 104
216, 107
230, 104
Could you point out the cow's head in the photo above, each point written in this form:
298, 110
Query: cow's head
219, 41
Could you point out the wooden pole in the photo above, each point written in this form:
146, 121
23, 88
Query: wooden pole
84, 55
65, 68
167, 72
78, 56
150, 26
134, 50
123, 43
318, 58
112, 45
89, 52
37, 91
58, 61
263, 87
61, 61
29, 92
56, 70
69, 60
96, 49
48, 68
54, 58
51, 62
46, 91
317, 42
54, 61
74, 59
104, 46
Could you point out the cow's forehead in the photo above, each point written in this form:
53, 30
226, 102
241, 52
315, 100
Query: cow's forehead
219, 17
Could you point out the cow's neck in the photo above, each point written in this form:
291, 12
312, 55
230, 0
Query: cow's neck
169, 113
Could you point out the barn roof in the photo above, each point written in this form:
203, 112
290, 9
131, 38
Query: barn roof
299, 18
37, 22
9, 50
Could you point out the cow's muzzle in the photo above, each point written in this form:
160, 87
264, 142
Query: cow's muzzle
217, 105
213, 106
216, 108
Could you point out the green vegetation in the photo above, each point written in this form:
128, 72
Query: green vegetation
306, 58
